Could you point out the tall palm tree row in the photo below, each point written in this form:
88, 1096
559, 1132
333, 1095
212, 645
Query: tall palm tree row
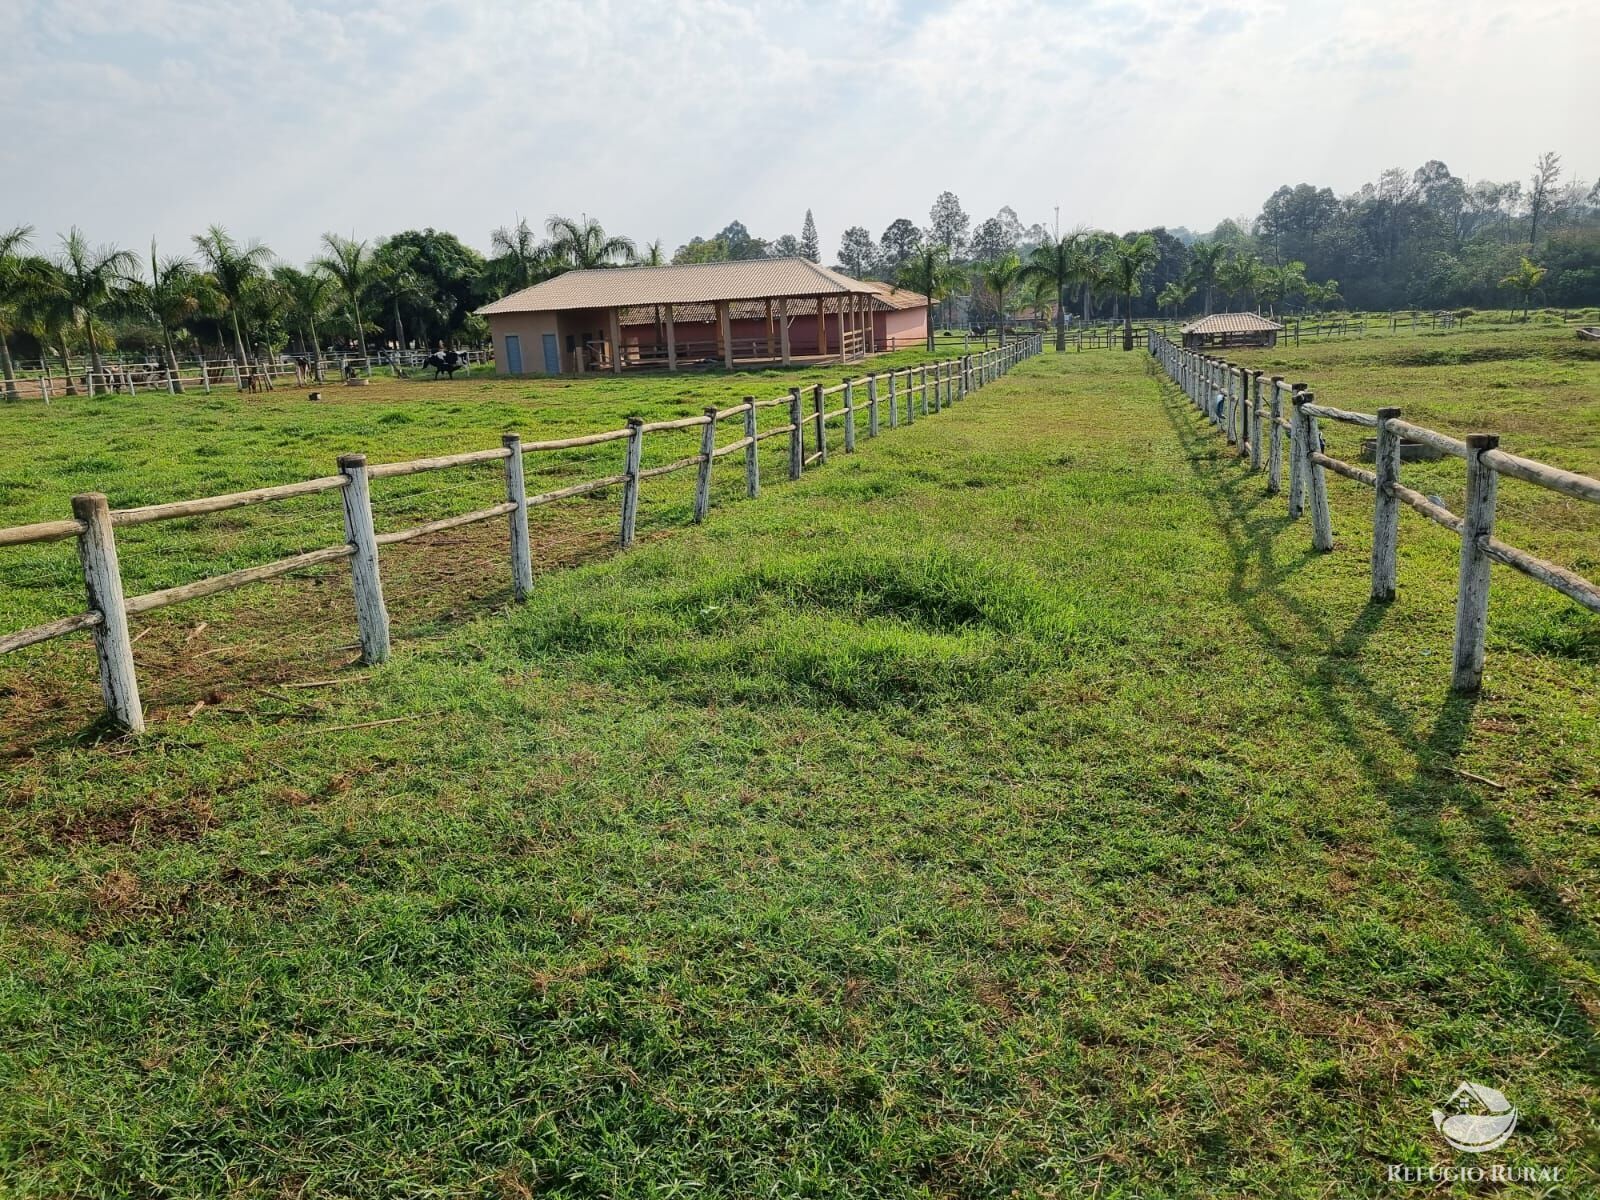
1130, 260
1060, 263
89, 281
174, 293
349, 262
233, 266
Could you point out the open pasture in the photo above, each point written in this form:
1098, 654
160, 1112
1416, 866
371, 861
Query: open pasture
1017, 806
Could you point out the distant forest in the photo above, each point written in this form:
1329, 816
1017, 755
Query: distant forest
1412, 239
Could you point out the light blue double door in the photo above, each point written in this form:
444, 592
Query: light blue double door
552, 354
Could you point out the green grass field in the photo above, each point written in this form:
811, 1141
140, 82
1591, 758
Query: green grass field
1016, 807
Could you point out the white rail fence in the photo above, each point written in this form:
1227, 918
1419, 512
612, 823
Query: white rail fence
203, 375
899, 396
1251, 416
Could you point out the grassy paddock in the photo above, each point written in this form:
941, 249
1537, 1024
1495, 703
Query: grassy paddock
1016, 807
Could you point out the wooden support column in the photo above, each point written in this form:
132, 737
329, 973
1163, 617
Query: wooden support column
630, 483
822, 327
708, 448
726, 326
844, 346
672, 342
783, 329
1385, 507
1297, 480
752, 450
372, 617
1472, 582
797, 435
517, 493
1275, 436
102, 577
616, 341
1316, 478
769, 328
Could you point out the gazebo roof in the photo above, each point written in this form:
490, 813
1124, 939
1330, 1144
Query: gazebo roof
689, 283
1233, 323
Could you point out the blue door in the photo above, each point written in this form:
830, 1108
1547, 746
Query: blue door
513, 354
552, 355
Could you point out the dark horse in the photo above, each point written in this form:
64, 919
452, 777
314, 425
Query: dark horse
447, 363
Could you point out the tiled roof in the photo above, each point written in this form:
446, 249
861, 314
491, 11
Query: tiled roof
689, 283
896, 297
1232, 323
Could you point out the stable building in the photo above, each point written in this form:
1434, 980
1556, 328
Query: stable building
1225, 330
758, 312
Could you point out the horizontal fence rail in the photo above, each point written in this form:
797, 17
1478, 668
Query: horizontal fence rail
891, 398
1252, 416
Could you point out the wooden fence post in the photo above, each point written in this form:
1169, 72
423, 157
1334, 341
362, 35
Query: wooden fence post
1385, 508
702, 482
922, 388
372, 618
872, 404
1472, 584
630, 484
752, 452
1275, 437
102, 579
517, 493
820, 403
934, 385
1297, 482
1244, 408
849, 417
1316, 477
894, 403
797, 435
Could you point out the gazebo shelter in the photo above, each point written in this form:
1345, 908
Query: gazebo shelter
1230, 329
756, 312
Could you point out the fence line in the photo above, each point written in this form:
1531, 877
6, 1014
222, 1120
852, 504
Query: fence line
1231, 397
94, 523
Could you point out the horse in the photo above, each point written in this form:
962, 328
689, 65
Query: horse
446, 363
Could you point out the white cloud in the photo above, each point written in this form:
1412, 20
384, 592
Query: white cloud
281, 118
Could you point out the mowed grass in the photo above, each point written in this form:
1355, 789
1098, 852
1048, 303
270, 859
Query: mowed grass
1018, 806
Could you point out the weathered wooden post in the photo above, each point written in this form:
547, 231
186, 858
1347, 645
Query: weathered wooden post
752, 451
1385, 507
797, 435
1316, 478
911, 396
894, 403
1472, 582
934, 385
922, 388
872, 404
1297, 480
630, 482
102, 580
1275, 436
820, 403
1248, 400
517, 493
708, 449
849, 417
372, 618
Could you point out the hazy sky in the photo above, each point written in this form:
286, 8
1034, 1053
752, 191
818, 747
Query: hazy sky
285, 118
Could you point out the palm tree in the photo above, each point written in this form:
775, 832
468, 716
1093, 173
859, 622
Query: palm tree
1173, 297
13, 283
999, 277
1279, 285
307, 294
393, 278
1240, 275
586, 246
174, 292
1323, 295
92, 281
232, 268
1131, 259
931, 272
653, 255
520, 260
350, 264
1205, 258
1056, 261
1525, 280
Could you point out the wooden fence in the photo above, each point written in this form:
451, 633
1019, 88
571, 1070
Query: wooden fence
1251, 415
904, 393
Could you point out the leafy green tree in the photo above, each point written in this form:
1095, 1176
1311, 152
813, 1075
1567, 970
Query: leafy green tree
396, 283
1240, 275
1172, 298
651, 255
786, 246
349, 263
93, 280
1281, 285
44, 306
856, 251
1000, 278
233, 267
1130, 260
585, 245
452, 274
173, 294
1525, 280
519, 260
898, 243
948, 224
1056, 261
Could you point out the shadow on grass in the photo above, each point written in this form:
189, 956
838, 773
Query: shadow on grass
1342, 692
